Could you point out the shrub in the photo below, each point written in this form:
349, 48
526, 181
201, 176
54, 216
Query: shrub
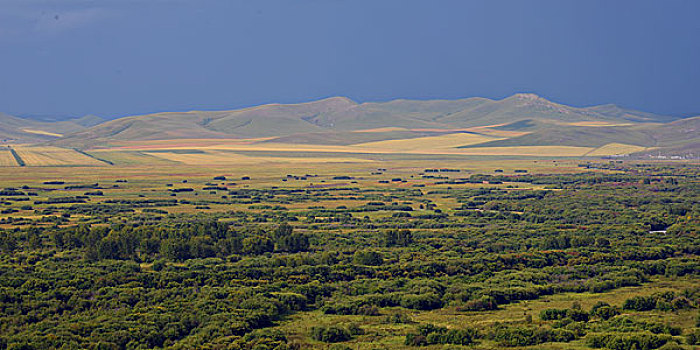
552, 314
640, 341
452, 336
604, 310
398, 319
431, 334
484, 303
330, 334
415, 340
429, 301
368, 258
640, 303
693, 338
530, 336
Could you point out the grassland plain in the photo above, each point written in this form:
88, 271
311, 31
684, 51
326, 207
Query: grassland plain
289, 153
208, 152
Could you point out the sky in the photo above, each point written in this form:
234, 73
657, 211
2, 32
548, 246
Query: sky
115, 58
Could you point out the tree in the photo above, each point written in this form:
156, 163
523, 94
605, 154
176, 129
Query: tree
257, 245
401, 238
34, 237
370, 258
175, 249
8, 242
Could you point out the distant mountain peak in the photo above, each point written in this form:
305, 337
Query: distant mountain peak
332, 102
533, 100
527, 96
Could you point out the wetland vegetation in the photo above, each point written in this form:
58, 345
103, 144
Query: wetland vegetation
602, 255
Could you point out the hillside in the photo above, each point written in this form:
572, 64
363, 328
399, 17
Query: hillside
522, 124
338, 120
28, 130
673, 134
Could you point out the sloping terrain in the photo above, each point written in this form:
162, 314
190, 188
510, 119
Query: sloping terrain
24, 130
578, 136
336, 120
519, 125
679, 134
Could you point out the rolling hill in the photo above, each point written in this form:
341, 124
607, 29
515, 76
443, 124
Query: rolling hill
521, 120
340, 118
676, 133
28, 130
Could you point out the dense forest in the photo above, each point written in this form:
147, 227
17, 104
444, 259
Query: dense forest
84, 266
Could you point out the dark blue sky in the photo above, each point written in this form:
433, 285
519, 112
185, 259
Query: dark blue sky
119, 57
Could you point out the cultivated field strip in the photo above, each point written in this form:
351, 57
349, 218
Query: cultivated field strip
442, 141
54, 156
7, 159
613, 149
231, 158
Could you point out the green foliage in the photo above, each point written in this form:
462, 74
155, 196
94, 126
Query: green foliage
481, 304
402, 238
330, 334
123, 272
430, 334
641, 341
513, 336
427, 301
663, 301
693, 337
604, 310
371, 258
553, 314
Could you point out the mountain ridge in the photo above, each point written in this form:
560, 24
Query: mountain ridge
341, 114
523, 119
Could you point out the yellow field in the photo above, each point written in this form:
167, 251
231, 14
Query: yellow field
491, 131
193, 152
432, 142
54, 156
612, 149
387, 129
230, 158
532, 151
41, 132
130, 158
245, 151
6, 158
597, 123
